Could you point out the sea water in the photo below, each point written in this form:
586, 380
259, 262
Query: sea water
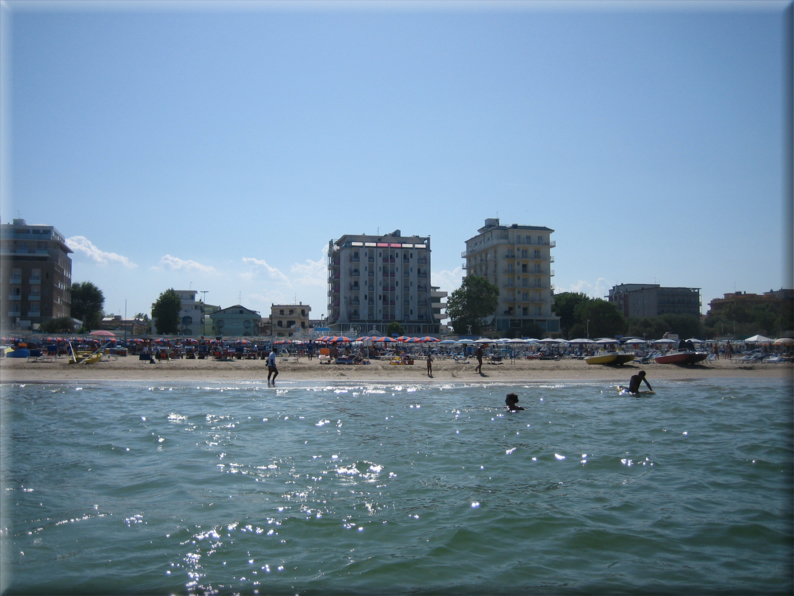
233, 488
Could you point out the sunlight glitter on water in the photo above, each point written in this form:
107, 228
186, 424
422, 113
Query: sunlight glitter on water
379, 486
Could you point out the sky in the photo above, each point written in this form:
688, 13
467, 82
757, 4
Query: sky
220, 147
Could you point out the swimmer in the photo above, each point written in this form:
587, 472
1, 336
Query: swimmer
512, 402
636, 380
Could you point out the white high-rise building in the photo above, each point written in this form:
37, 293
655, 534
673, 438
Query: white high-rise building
517, 259
374, 280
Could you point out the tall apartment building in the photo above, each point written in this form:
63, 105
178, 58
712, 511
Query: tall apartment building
374, 280
36, 275
652, 300
517, 259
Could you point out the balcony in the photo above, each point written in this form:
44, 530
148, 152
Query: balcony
34, 313
421, 261
14, 313
354, 273
15, 297
15, 280
354, 259
34, 297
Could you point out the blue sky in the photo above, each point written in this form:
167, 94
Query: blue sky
220, 148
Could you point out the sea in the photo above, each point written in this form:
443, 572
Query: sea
397, 488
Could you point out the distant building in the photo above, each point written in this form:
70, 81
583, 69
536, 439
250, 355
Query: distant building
374, 280
36, 275
438, 304
191, 316
652, 300
235, 321
517, 259
288, 320
117, 323
774, 297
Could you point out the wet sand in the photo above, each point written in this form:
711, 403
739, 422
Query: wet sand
299, 370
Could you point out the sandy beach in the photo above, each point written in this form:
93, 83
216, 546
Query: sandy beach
294, 370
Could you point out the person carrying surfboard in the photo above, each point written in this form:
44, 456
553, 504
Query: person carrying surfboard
636, 380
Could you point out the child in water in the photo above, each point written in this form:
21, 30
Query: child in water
512, 402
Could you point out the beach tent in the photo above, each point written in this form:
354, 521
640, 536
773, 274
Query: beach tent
758, 339
103, 333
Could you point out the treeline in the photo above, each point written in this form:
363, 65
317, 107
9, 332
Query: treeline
582, 316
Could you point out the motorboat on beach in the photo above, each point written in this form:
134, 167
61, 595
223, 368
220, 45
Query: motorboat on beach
612, 358
610, 354
677, 357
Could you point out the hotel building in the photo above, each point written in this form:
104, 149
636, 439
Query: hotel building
374, 280
517, 259
36, 275
652, 300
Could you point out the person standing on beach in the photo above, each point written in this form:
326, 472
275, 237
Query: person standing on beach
478, 354
310, 349
429, 365
271, 367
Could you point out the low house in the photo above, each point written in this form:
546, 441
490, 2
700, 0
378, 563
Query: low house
235, 321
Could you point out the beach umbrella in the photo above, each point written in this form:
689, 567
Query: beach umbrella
694, 340
402, 338
385, 339
447, 342
758, 339
784, 341
340, 339
483, 340
549, 340
663, 341
636, 340
429, 339
581, 340
102, 333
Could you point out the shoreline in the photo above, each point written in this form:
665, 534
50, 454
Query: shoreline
292, 371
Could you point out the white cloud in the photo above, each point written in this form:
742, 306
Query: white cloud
448, 281
175, 263
84, 245
272, 272
311, 273
597, 290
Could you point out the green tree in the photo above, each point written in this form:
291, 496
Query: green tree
605, 318
565, 307
684, 326
474, 300
165, 312
87, 303
59, 325
394, 328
